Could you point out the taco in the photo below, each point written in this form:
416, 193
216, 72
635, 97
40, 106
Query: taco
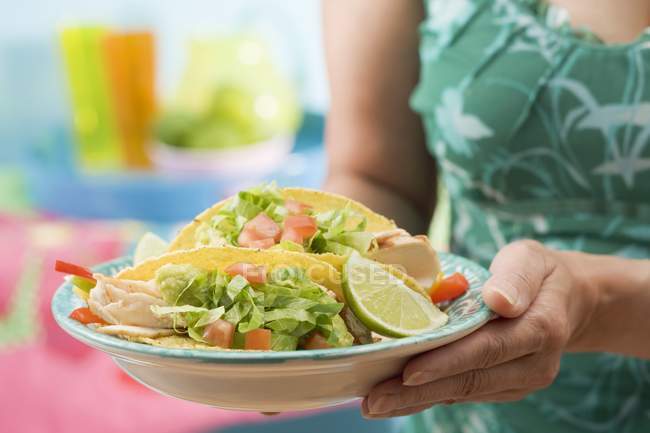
224, 298
315, 222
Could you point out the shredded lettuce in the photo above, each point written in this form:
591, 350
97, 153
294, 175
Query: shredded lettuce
166, 311
288, 246
233, 289
289, 304
340, 231
211, 316
183, 285
282, 342
237, 312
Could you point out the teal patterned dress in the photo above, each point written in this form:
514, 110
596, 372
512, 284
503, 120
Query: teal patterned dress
541, 134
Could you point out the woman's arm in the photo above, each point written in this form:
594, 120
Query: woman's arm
621, 318
375, 143
551, 302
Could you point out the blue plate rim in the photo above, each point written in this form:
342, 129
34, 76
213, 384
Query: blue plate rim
64, 300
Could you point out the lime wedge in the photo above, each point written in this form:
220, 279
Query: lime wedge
384, 303
149, 245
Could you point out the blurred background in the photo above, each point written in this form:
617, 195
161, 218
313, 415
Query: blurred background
118, 118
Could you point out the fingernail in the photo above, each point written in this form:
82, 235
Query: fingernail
509, 293
381, 404
417, 378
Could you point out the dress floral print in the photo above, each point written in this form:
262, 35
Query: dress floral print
540, 134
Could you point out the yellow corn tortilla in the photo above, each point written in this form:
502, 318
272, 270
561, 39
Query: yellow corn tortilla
320, 201
219, 258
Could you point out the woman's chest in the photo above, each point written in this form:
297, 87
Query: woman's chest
515, 112
614, 21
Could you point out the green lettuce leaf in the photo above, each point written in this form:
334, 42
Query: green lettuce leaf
238, 312
233, 289
283, 325
359, 241
339, 336
165, 311
288, 246
337, 248
254, 320
184, 285
282, 342
210, 316
284, 313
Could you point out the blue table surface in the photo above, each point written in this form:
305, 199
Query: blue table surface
157, 198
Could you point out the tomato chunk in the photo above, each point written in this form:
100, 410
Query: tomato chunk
219, 333
316, 341
85, 316
247, 237
295, 207
262, 244
252, 273
264, 227
293, 236
450, 288
257, 339
72, 269
302, 224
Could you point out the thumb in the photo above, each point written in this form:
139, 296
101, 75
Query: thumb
518, 272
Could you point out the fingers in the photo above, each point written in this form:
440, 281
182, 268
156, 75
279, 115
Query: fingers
393, 396
499, 397
497, 342
401, 412
518, 272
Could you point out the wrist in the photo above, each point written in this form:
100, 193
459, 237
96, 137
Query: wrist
615, 294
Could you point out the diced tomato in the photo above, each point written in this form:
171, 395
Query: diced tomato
72, 269
295, 207
252, 273
262, 244
219, 333
316, 341
302, 224
450, 288
258, 339
85, 316
293, 236
246, 237
264, 227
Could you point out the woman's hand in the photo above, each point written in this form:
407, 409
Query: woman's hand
544, 309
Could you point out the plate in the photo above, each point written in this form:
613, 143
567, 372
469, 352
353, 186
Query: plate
276, 381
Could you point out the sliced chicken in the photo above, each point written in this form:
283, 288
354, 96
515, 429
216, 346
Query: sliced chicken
383, 237
413, 254
135, 331
125, 302
131, 286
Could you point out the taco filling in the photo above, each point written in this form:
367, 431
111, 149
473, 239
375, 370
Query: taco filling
264, 218
245, 306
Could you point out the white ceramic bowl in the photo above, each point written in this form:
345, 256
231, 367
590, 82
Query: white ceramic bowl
276, 381
254, 159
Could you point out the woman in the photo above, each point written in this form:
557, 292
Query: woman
541, 131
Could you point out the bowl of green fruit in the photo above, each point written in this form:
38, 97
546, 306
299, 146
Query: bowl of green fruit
235, 113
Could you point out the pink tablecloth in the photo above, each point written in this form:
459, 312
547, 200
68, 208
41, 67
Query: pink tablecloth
50, 382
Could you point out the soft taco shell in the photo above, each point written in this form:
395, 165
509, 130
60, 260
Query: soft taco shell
219, 258
319, 200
